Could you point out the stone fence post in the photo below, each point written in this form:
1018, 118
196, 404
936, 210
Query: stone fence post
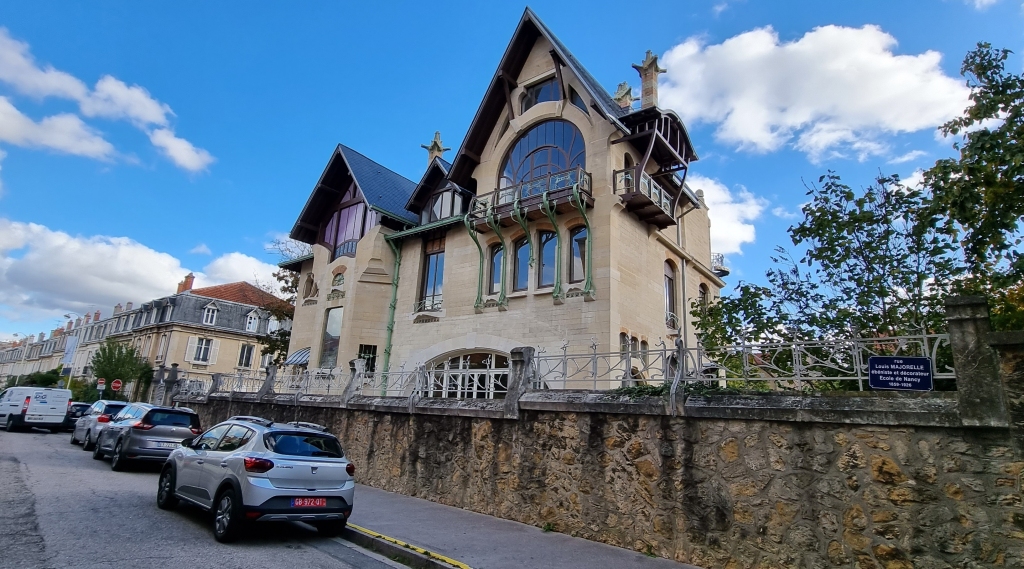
357, 368
1010, 349
520, 378
216, 386
171, 387
979, 390
268, 383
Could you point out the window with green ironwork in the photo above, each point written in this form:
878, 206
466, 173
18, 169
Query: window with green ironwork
433, 274
546, 259
578, 243
547, 148
497, 258
521, 268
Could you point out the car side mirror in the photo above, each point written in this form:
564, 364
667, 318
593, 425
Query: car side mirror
187, 442
103, 419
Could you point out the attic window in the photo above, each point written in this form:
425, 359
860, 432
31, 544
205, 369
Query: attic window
346, 226
442, 205
540, 93
210, 315
575, 99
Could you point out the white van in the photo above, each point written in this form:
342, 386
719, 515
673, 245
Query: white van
26, 407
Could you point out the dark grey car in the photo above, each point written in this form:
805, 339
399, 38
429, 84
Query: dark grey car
144, 432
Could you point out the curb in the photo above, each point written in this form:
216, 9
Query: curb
398, 550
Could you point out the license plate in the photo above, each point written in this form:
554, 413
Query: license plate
35, 418
309, 502
167, 445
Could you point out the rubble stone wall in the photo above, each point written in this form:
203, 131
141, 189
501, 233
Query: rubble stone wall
715, 492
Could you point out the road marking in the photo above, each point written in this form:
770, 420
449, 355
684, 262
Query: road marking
419, 550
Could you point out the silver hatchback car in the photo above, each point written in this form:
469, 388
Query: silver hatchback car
144, 432
249, 469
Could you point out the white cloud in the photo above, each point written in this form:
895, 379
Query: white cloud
200, 249
180, 151
2, 156
981, 4
914, 180
63, 133
912, 155
45, 273
731, 214
783, 213
111, 98
834, 91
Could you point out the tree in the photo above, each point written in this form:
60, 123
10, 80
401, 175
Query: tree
276, 343
980, 193
115, 360
42, 378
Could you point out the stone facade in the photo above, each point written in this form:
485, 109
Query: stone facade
714, 492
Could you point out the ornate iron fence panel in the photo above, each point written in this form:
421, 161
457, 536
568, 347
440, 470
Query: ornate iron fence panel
386, 384
243, 382
465, 383
599, 371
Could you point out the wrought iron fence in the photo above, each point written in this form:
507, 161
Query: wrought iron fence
387, 384
195, 384
550, 183
486, 383
243, 382
313, 382
601, 371
432, 304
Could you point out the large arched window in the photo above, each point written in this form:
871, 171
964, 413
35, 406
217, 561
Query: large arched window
546, 259
577, 266
521, 269
497, 260
547, 148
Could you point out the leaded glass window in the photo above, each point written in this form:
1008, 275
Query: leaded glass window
547, 148
540, 93
578, 242
521, 277
546, 267
497, 260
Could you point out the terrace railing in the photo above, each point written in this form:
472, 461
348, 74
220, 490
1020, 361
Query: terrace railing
626, 181
550, 183
465, 383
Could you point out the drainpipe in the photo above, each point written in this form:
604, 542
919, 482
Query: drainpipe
396, 249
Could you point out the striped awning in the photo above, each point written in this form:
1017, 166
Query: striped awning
298, 358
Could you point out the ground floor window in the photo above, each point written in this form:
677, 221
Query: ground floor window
368, 353
474, 375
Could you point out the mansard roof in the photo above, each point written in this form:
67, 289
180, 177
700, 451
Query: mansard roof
529, 29
383, 189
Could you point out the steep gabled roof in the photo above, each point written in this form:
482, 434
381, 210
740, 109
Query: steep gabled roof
383, 189
436, 171
240, 292
493, 104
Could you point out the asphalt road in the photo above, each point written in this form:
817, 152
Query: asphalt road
59, 508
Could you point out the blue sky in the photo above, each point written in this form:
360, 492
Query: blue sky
143, 141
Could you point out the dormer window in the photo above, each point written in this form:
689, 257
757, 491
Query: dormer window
540, 93
348, 224
210, 315
252, 321
442, 205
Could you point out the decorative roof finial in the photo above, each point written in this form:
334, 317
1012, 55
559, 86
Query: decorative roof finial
649, 72
624, 95
435, 148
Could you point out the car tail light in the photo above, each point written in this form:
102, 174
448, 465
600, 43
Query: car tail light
69, 405
350, 469
103, 418
196, 430
258, 465
142, 426
24, 406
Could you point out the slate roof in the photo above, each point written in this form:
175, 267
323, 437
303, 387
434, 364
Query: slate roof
383, 188
445, 164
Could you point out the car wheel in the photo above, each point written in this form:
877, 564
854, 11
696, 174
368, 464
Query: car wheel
86, 444
330, 529
10, 428
227, 516
117, 460
165, 498
97, 452
74, 441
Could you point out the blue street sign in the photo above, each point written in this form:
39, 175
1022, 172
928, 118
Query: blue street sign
898, 372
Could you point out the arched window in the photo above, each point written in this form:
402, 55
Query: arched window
577, 267
547, 148
627, 161
474, 375
702, 294
521, 272
546, 259
497, 261
670, 295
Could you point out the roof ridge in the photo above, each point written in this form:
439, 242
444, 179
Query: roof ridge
350, 149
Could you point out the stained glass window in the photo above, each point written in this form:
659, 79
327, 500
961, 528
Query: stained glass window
547, 148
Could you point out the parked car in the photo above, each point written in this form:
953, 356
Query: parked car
91, 424
249, 469
75, 411
41, 407
144, 432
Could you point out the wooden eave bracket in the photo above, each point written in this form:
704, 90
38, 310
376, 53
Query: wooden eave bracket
558, 73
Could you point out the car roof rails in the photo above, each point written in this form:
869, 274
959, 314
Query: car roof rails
305, 425
250, 419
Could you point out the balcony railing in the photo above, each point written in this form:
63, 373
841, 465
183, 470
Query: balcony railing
625, 183
432, 304
671, 321
551, 183
718, 265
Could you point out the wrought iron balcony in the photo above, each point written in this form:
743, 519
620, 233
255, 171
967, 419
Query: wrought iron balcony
431, 304
526, 198
718, 265
671, 321
643, 196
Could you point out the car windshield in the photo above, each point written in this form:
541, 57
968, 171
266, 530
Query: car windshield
301, 444
173, 419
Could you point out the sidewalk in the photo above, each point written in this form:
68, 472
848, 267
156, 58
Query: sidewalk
485, 542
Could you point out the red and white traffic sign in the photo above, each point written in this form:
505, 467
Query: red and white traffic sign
116, 385
101, 384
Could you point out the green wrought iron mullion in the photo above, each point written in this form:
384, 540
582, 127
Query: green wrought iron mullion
519, 215
588, 270
548, 208
492, 222
479, 304
397, 250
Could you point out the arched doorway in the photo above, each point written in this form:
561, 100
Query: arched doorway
468, 375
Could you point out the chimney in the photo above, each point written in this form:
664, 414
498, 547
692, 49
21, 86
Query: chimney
78, 322
624, 95
649, 72
118, 309
186, 284
128, 306
68, 327
96, 317
435, 149
42, 336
